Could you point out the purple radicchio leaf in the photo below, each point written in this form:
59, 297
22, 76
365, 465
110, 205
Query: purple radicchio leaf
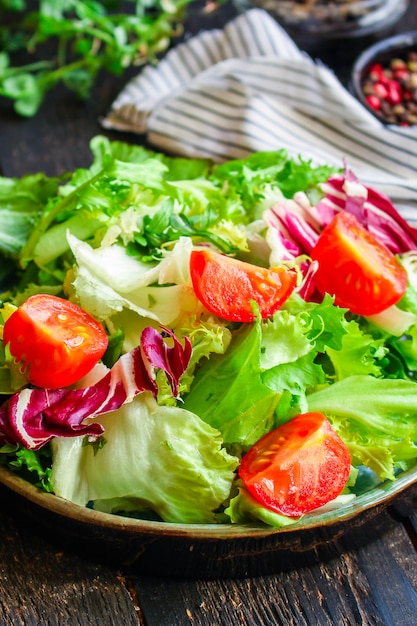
173, 360
373, 210
283, 248
32, 417
306, 289
296, 221
302, 232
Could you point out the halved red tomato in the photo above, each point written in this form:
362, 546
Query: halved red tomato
56, 341
227, 287
297, 467
356, 268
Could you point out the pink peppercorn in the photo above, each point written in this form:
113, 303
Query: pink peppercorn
376, 72
374, 102
390, 90
394, 95
400, 74
381, 90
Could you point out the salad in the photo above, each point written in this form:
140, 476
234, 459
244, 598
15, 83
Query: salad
200, 343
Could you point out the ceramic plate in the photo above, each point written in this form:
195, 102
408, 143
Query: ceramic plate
191, 550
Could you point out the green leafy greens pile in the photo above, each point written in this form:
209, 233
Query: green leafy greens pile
116, 238
72, 40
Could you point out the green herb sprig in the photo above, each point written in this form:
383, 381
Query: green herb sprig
74, 39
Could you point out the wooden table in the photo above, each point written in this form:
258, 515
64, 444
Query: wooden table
370, 574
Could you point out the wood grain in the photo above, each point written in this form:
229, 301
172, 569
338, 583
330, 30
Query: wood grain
39, 585
349, 589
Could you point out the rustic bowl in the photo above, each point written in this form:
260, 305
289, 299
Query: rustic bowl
191, 550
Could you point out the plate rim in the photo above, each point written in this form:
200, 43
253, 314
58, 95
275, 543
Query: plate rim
379, 495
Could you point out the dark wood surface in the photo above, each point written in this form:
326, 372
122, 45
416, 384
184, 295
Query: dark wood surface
369, 575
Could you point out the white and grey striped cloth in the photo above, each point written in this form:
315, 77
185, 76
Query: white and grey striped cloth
226, 93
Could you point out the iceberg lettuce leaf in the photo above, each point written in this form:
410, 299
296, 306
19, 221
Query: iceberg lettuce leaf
160, 459
108, 280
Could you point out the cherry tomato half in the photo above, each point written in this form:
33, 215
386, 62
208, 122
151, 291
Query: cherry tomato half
297, 467
358, 270
55, 340
227, 286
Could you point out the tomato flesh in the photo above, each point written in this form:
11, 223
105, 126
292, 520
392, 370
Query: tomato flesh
297, 467
356, 268
227, 286
55, 341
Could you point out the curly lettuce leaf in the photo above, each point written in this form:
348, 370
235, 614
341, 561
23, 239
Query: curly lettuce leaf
359, 354
284, 339
291, 343
261, 173
382, 453
33, 466
324, 323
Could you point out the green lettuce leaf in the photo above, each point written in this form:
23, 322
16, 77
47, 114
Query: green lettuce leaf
293, 347
377, 418
258, 174
324, 323
33, 466
159, 459
359, 354
296, 377
20, 203
383, 453
107, 280
244, 509
388, 405
228, 392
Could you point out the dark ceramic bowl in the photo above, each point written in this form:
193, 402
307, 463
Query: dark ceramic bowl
332, 19
191, 550
383, 53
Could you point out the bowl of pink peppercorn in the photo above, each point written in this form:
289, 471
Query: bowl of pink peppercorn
384, 79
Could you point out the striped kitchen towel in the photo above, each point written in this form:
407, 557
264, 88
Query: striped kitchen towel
226, 93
